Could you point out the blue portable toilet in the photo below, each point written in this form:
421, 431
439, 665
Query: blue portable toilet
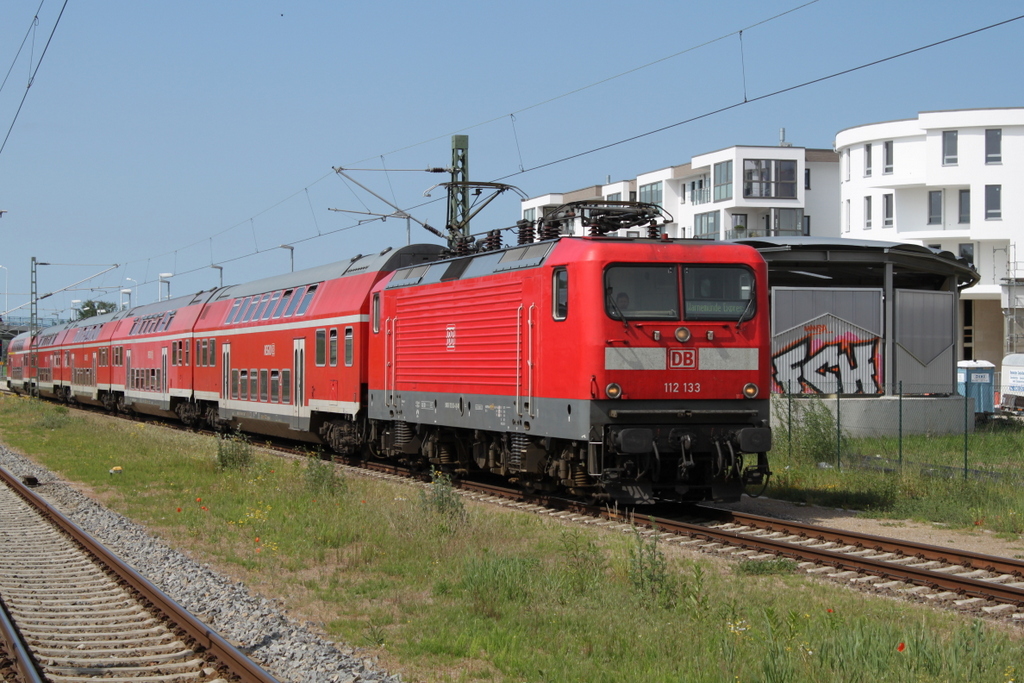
977, 379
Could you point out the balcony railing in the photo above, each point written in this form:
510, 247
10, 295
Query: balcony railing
700, 196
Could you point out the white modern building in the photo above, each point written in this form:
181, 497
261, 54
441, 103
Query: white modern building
950, 180
732, 193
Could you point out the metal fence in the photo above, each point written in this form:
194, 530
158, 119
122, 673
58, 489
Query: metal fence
930, 430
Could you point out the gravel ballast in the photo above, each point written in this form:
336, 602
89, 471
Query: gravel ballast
287, 649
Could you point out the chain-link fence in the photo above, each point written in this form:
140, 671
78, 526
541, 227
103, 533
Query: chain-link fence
930, 430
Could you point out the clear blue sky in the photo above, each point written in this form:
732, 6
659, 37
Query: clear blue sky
166, 136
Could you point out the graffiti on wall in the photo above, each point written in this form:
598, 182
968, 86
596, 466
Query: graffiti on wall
827, 355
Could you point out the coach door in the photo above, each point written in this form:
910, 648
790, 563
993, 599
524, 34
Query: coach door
299, 376
225, 370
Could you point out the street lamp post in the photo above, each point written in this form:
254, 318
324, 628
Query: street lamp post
76, 309
163, 278
136, 290
291, 254
127, 291
220, 271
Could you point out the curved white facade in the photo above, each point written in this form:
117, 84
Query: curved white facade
953, 180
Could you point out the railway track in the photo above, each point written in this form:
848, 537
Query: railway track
947, 577
75, 613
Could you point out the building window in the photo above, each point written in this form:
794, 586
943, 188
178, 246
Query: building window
807, 178
846, 216
614, 197
867, 213
651, 193
530, 215
968, 338
887, 157
807, 225
967, 252
965, 206
993, 202
769, 178
994, 146
887, 200
723, 181
867, 160
705, 225
846, 165
949, 156
935, 207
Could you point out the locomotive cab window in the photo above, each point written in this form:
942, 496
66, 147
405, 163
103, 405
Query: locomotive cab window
718, 293
560, 294
641, 292
376, 312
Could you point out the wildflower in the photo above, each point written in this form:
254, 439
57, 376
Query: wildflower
179, 509
203, 508
199, 500
829, 610
257, 539
901, 647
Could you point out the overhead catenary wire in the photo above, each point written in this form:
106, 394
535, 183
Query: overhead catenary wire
654, 131
32, 78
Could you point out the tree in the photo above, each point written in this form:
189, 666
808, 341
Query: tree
90, 308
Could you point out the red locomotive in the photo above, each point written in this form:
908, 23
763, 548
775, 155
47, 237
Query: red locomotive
625, 369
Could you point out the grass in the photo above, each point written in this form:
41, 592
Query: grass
446, 591
928, 485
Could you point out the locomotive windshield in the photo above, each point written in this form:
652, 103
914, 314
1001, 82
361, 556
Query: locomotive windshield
642, 292
651, 292
718, 293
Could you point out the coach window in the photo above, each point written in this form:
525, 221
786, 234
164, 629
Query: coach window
560, 297
174, 353
234, 384
213, 353
240, 313
295, 301
286, 386
275, 386
202, 353
255, 311
349, 351
253, 377
264, 305
188, 345
306, 300
334, 347
283, 304
233, 311
321, 347
376, 312
271, 306
243, 385
263, 385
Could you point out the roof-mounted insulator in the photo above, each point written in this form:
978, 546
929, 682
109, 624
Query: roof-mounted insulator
526, 232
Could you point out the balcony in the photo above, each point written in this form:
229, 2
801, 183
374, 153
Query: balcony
700, 196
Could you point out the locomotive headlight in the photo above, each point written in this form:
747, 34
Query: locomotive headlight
613, 390
682, 334
750, 390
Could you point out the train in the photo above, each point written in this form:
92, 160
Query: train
616, 369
